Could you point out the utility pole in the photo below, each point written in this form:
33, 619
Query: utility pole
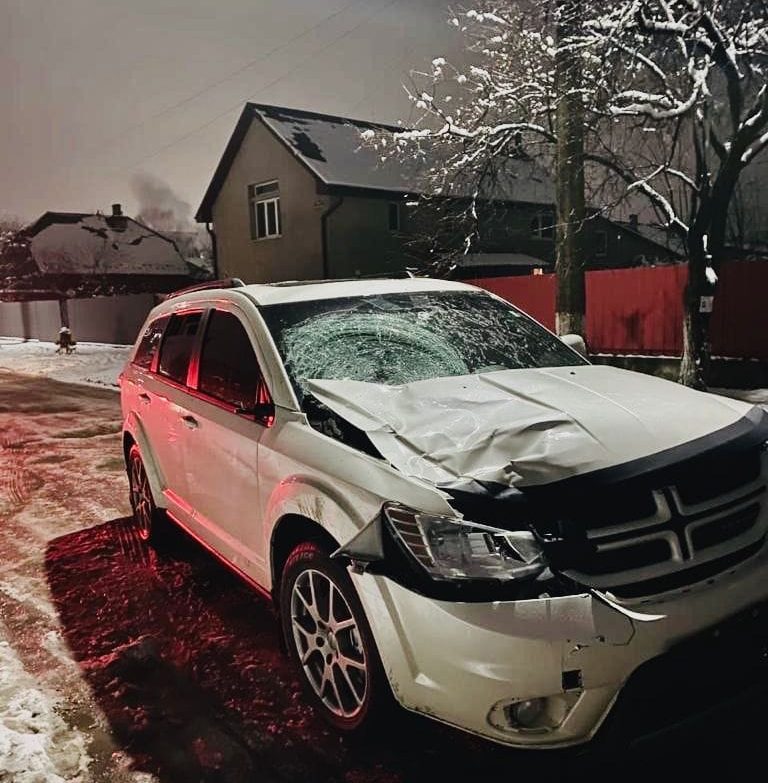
569, 176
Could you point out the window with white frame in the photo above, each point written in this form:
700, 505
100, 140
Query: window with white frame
543, 225
264, 210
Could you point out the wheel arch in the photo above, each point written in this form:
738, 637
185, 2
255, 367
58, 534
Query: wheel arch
289, 531
310, 507
133, 434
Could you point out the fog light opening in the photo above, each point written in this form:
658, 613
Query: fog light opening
536, 715
527, 714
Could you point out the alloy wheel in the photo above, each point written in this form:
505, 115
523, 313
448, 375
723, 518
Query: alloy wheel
328, 643
141, 499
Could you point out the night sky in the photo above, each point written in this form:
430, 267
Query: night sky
96, 92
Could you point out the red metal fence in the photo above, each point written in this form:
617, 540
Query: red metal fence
640, 311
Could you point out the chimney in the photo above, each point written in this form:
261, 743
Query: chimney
117, 210
632, 221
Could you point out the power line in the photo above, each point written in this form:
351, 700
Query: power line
272, 83
274, 50
232, 74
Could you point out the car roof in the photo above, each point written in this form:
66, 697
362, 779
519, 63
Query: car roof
310, 290
296, 291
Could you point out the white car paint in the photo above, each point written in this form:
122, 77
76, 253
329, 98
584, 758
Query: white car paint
460, 663
524, 427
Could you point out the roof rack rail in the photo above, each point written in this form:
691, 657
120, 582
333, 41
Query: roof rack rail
406, 273
227, 282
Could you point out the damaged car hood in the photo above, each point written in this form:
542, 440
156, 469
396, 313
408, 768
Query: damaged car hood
526, 427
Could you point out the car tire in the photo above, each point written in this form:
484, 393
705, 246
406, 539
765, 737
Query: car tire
148, 519
328, 638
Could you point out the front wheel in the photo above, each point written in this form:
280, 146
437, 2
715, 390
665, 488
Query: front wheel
328, 637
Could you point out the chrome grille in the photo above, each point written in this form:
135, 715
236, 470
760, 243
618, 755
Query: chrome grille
646, 555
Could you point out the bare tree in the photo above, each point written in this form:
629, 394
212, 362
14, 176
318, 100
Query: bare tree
674, 107
570, 205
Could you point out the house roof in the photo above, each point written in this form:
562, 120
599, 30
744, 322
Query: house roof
500, 259
82, 243
331, 148
659, 235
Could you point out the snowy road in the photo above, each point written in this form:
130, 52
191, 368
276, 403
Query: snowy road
123, 664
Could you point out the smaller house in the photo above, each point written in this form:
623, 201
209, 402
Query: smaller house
77, 254
68, 263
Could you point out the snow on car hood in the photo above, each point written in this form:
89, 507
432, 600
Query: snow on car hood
526, 427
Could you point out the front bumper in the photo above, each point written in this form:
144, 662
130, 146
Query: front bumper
456, 661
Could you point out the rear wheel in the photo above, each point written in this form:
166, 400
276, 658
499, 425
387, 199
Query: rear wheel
329, 639
146, 516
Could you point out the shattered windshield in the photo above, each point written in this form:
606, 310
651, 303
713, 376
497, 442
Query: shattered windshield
399, 338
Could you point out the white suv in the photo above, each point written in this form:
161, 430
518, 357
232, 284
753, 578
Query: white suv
450, 506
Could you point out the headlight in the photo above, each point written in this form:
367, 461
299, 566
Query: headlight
451, 548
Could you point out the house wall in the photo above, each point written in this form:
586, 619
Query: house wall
298, 253
360, 241
506, 228
101, 319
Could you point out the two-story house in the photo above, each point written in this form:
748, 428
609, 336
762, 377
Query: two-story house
297, 195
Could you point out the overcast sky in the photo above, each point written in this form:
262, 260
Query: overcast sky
93, 92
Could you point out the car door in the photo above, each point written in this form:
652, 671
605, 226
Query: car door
221, 452
162, 402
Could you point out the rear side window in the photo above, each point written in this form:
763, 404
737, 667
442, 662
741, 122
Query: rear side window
177, 346
149, 343
229, 370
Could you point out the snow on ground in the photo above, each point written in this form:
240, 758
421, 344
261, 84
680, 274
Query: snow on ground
95, 364
36, 745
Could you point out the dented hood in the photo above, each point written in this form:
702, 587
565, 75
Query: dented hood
526, 427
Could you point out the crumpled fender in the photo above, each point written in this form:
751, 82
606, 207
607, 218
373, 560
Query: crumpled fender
318, 501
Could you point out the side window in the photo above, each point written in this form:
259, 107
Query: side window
264, 210
177, 346
150, 342
229, 370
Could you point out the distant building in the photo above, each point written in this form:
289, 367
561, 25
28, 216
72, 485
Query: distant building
74, 254
100, 272
297, 196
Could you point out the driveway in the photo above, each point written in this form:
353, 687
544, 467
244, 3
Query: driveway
123, 663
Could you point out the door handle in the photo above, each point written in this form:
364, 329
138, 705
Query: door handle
145, 398
190, 421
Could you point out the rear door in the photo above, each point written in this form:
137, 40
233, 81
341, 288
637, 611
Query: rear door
163, 402
221, 453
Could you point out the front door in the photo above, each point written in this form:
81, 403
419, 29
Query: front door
221, 452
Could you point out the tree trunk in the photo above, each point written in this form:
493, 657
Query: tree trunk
569, 180
711, 221
694, 365
64, 312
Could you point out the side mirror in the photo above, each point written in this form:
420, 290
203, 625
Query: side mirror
575, 341
263, 412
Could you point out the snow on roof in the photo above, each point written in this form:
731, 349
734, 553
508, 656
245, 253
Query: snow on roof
331, 148
80, 243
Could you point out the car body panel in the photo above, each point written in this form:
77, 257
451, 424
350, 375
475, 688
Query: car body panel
513, 650
526, 427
